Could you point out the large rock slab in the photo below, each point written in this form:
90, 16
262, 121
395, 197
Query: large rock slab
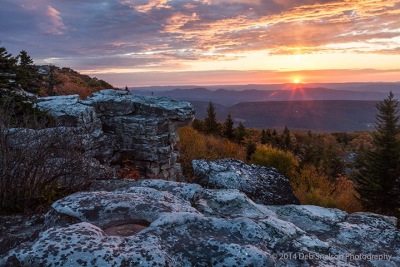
117, 126
161, 223
263, 185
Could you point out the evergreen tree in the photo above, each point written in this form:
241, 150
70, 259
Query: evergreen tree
228, 128
263, 139
27, 76
24, 59
211, 125
7, 69
275, 139
198, 125
378, 181
240, 133
286, 140
251, 148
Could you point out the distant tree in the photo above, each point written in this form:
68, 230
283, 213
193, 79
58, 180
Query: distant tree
321, 151
211, 125
378, 180
229, 131
251, 148
27, 76
7, 69
198, 125
24, 59
264, 137
275, 139
286, 139
240, 133
331, 161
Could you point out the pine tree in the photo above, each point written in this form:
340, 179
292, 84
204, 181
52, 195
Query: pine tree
211, 125
27, 76
286, 139
251, 148
228, 128
378, 182
7, 69
263, 138
240, 133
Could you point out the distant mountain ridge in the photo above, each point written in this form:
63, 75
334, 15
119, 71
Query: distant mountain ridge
318, 107
319, 115
228, 97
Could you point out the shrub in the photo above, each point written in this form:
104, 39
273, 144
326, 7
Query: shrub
284, 161
194, 145
38, 166
313, 187
310, 184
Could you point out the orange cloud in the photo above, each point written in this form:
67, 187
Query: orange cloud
56, 25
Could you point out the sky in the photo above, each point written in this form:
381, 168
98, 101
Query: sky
204, 42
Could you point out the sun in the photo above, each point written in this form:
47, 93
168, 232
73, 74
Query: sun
296, 80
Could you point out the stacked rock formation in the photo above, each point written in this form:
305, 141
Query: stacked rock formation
116, 125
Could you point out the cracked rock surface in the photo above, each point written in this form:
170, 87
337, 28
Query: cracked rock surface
162, 223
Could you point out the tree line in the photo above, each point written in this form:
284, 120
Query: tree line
375, 171
18, 72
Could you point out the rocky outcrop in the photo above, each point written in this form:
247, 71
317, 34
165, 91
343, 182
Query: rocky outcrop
263, 185
117, 126
161, 223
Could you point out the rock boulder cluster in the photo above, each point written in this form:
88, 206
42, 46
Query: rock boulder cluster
116, 125
165, 223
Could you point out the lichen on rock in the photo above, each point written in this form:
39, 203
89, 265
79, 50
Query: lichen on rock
261, 184
188, 225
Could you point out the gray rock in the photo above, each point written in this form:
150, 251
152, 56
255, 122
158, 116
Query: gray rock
161, 223
116, 125
105, 209
261, 184
312, 219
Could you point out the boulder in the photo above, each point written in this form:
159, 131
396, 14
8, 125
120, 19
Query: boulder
261, 184
162, 223
118, 126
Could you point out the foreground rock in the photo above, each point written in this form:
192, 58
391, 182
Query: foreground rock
116, 126
263, 185
161, 223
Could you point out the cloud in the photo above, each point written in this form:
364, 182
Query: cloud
55, 24
229, 77
158, 34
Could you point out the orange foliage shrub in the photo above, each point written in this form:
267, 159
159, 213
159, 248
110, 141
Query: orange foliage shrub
194, 145
312, 187
70, 85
